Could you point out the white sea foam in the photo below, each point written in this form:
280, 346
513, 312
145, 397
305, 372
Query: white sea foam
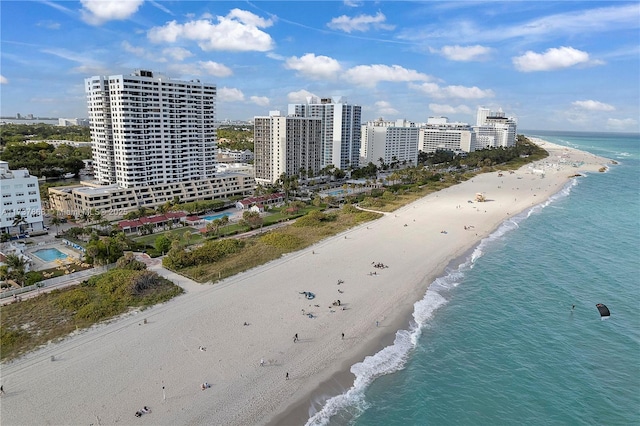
394, 357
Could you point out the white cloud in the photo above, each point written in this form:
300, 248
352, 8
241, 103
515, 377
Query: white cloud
463, 92
238, 31
465, 53
315, 67
449, 109
370, 75
138, 51
216, 69
360, 23
384, 108
177, 53
299, 97
201, 68
552, 59
623, 124
352, 3
585, 21
3, 80
628, 124
98, 12
593, 105
260, 100
226, 94
49, 25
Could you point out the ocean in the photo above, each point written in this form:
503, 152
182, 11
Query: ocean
512, 335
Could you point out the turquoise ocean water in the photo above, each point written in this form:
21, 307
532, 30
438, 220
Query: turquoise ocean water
496, 340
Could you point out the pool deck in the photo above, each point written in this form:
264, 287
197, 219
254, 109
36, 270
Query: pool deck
38, 264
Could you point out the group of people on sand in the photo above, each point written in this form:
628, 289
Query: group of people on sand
379, 265
144, 410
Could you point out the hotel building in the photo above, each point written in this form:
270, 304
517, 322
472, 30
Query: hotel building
440, 134
20, 195
286, 144
340, 129
493, 129
389, 140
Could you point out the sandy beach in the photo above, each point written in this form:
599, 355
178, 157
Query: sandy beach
238, 335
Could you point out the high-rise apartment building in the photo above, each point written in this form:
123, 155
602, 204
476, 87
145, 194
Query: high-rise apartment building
391, 141
147, 129
340, 129
287, 145
440, 134
153, 141
493, 129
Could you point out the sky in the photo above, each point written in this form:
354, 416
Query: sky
552, 65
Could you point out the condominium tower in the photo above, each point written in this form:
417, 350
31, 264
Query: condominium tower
340, 129
153, 141
391, 141
287, 145
147, 129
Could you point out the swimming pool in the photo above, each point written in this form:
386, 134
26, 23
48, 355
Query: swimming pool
337, 192
213, 217
50, 254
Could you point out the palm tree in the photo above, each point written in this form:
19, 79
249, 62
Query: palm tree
16, 267
96, 215
214, 226
85, 216
19, 221
56, 221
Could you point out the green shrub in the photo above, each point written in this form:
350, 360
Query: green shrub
72, 300
282, 241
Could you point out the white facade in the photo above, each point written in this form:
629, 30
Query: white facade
440, 134
286, 145
235, 155
340, 129
496, 130
20, 195
114, 200
150, 130
389, 140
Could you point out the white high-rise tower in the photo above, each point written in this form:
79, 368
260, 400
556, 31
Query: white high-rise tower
340, 129
148, 130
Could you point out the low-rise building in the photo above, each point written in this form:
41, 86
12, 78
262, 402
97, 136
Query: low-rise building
114, 200
20, 202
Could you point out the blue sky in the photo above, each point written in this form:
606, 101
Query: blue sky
558, 65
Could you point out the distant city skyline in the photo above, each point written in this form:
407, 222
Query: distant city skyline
551, 65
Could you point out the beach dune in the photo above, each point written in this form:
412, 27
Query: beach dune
219, 334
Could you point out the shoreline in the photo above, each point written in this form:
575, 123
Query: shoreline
299, 412
135, 362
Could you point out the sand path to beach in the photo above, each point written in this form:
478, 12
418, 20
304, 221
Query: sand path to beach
105, 374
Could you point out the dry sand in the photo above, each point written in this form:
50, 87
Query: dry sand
105, 374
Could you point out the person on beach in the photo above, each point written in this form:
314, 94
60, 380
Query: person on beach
262, 362
1, 389
295, 338
286, 377
342, 336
